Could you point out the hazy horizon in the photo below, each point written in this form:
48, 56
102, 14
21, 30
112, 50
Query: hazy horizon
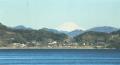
83, 14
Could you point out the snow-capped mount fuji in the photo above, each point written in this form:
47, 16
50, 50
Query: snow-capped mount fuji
68, 26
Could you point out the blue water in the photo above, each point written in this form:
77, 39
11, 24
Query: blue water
59, 57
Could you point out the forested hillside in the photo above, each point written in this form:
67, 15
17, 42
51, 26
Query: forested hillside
29, 37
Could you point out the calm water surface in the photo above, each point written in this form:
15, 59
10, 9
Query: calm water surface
59, 57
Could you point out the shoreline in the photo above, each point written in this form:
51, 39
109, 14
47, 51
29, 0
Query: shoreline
58, 48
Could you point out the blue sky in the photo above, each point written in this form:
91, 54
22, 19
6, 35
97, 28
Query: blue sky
52, 13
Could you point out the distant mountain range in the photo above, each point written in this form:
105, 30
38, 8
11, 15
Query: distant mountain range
105, 29
75, 33
71, 34
22, 27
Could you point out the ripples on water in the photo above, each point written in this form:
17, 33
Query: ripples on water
59, 57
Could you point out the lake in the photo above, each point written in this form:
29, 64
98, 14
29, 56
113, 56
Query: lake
59, 57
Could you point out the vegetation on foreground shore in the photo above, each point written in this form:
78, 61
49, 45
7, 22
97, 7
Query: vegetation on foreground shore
42, 38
